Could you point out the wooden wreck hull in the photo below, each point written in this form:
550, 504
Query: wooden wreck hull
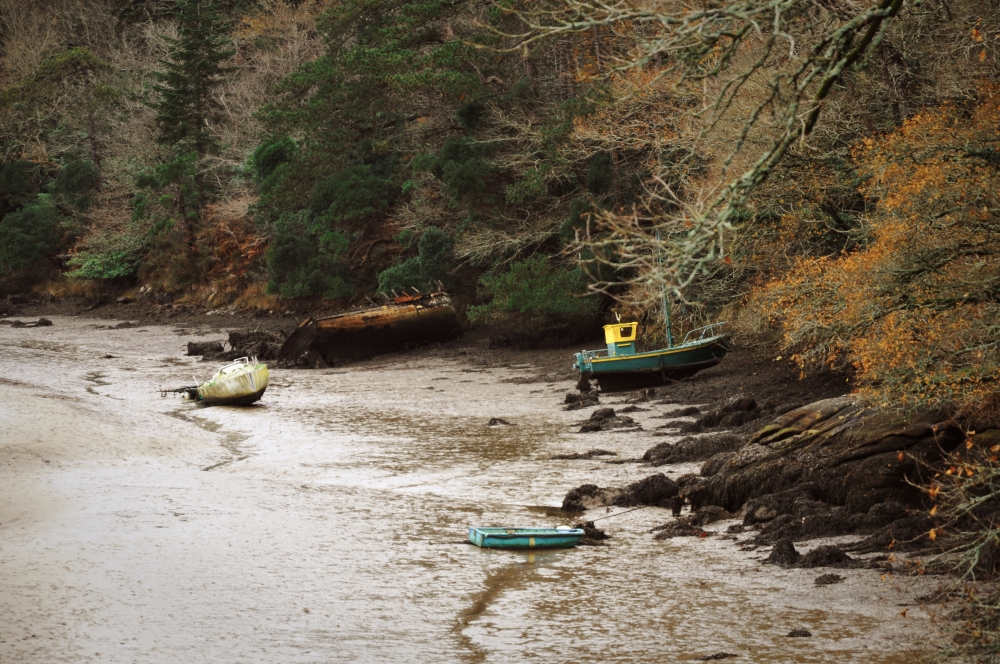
406, 322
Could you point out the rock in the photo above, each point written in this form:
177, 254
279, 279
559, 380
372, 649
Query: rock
683, 412
204, 347
602, 414
265, 346
591, 534
691, 449
124, 300
827, 555
715, 417
883, 514
498, 421
715, 464
825, 522
605, 418
576, 401
783, 554
799, 633
41, 322
582, 455
679, 528
804, 419
905, 534
310, 359
739, 418
710, 514
784, 408
746, 456
762, 514
828, 579
652, 490
587, 496
716, 657
690, 427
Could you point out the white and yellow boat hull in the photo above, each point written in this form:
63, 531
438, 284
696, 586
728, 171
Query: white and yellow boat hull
238, 384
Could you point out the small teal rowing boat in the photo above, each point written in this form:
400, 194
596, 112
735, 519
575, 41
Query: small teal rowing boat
525, 538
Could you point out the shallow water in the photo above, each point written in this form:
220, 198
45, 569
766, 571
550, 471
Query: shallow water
325, 524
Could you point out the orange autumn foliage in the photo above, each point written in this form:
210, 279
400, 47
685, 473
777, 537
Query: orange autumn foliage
915, 307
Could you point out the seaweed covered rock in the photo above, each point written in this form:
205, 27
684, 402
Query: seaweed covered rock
692, 449
204, 348
710, 514
715, 464
783, 554
592, 536
603, 419
265, 346
587, 496
679, 528
578, 400
732, 413
835, 452
827, 555
653, 490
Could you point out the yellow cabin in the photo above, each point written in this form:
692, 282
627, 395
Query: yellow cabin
620, 338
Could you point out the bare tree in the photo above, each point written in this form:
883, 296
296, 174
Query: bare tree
773, 63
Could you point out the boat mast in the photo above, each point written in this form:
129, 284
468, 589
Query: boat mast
663, 299
666, 316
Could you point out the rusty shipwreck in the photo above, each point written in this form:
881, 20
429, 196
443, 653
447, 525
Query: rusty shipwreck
403, 322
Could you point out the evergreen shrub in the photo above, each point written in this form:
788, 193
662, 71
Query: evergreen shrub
534, 288
304, 263
27, 235
432, 263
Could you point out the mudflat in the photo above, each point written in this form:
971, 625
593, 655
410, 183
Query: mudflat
326, 522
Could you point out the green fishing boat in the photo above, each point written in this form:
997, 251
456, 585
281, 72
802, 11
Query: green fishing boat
620, 368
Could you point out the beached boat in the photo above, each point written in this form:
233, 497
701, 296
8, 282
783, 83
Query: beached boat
406, 320
239, 383
619, 368
525, 538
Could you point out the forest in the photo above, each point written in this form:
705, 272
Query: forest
823, 175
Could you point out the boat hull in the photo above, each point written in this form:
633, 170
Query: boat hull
241, 390
525, 538
654, 368
407, 321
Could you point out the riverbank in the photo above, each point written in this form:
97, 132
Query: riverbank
324, 524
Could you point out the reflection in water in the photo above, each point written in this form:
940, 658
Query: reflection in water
331, 527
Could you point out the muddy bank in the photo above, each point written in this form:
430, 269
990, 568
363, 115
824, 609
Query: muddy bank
137, 528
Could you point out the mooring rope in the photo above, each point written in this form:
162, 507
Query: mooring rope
631, 510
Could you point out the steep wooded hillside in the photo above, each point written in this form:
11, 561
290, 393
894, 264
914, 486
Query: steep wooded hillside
823, 182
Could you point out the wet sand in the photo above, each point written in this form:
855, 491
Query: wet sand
326, 523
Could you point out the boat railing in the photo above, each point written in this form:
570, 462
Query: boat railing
238, 363
700, 333
589, 355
